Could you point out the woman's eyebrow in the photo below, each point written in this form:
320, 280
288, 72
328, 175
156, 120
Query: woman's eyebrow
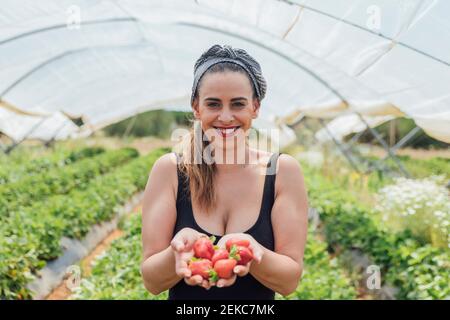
234, 99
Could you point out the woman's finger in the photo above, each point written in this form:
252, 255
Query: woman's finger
178, 243
194, 280
183, 272
206, 284
257, 253
242, 270
221, 283
181, 260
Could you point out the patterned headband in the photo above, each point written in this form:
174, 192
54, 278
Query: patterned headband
206, 65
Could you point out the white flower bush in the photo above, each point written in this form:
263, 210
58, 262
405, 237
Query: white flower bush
422, 206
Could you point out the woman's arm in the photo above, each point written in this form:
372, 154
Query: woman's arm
158, 220
165, 260
282, 268
158, 272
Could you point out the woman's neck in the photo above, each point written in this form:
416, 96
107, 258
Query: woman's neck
234, 161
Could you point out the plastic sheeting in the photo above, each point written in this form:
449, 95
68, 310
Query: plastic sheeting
344, 125
108, 60
52, 127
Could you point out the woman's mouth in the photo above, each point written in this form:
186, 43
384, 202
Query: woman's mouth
226, 132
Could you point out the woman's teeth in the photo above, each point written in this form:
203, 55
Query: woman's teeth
226, 132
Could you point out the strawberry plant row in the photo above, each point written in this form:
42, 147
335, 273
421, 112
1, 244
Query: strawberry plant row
59, 180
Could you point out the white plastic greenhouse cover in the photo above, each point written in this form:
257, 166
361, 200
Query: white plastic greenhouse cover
55, 126
344, 125
108, 60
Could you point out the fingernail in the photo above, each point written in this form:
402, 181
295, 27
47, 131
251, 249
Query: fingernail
219, 285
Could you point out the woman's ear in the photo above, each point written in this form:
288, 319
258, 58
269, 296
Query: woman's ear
195, 109
256, 105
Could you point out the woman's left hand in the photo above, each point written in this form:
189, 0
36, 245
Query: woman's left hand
240, 271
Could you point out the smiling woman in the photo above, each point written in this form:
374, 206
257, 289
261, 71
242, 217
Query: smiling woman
258, 197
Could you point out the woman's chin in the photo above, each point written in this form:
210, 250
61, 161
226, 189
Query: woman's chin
228, 144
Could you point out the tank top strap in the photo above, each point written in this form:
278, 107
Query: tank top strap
269, 185
183, 187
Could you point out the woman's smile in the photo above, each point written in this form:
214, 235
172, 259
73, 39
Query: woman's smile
227, 132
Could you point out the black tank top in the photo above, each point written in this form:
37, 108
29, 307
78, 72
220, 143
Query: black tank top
247, 287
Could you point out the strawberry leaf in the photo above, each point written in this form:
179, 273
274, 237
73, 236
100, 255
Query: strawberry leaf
212, 239
213, 276
234, 253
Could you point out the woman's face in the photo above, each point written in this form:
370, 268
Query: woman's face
225, 101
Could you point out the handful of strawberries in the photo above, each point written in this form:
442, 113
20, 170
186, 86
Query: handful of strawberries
214, 263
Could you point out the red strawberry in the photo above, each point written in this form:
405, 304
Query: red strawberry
224, 269
203, 247
220, 254
201, 267
237, 242
245, 255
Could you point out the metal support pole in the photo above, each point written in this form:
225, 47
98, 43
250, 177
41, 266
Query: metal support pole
385, 146
405, 139
310, 129
15, 144
130, 126
48, 142
353, 140
338, 144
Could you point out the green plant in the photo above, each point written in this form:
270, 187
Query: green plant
59, 180
323, 278
116, 272
31, 235
16, 169
421, 206
350, 224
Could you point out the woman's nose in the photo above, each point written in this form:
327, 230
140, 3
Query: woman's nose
225, 116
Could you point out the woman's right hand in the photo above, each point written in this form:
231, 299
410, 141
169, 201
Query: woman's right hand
183, 246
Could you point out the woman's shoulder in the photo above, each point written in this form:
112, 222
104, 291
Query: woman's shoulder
167, 162
288, 162
285, 161
289, 173
165, 168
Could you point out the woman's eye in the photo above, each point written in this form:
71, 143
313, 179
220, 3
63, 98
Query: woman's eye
212, 105
239, 104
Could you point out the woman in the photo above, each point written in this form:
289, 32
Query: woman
218, 195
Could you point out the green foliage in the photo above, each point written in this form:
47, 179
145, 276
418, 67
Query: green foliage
323, 278
59, 180
419, 205
116, 272
403, 126
158, 123
31, 235
15, 169
420, 168
349, 224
